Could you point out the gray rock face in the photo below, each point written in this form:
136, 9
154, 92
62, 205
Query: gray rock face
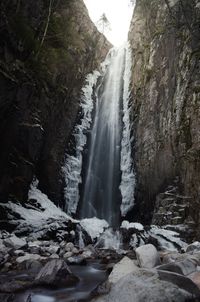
46, 91
143, 286
147, 256
57, 274
166, 113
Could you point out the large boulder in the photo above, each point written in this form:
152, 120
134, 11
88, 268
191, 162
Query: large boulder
147, 256
56, 274
29, 257
144, 286
181, 281
184, 267
14, 242
121, 269
193, 247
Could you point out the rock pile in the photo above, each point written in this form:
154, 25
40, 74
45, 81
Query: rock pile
156, 277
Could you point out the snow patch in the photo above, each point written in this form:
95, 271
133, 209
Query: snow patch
35, 216
167, 239
94, 226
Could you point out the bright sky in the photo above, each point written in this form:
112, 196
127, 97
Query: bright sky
118, 12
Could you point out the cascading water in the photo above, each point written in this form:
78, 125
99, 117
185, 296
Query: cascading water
103, 145
101, 178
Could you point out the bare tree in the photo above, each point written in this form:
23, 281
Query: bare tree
46, 25
103, 23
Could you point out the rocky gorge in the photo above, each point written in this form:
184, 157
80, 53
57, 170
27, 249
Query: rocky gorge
164, 37
54, 96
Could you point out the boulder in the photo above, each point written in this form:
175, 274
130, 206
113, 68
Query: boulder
33, 266
147, 256
29, 257
14, 242
80, 260
143, 286
56, 274
87, 254
67, 255
194, 247
195, 277
53, 249
19, 253
121, 269
54, 256
185, 267
6, 297
181, 281
69, 247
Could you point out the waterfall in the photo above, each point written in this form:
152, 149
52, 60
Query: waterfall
100, 195
100, 174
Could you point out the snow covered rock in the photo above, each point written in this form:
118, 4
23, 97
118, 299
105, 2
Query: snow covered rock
69, 247
121, 269
29, 257
14, 242
147, 256
57, 274
132, 225
94, 226
167, 239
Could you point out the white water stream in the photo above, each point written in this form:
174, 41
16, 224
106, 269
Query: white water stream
100, 175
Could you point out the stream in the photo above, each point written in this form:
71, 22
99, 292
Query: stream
90, 277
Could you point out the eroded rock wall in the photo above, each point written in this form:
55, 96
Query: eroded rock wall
165, 40
46, 49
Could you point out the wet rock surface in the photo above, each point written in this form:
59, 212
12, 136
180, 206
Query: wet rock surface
56, 274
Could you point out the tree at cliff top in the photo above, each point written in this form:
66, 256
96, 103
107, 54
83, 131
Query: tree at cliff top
103, 24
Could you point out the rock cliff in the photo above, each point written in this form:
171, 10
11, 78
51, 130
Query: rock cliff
46, 49
165, 40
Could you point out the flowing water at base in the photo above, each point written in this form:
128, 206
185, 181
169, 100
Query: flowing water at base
90, 277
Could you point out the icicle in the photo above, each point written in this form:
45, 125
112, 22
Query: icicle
127, 185
73, 164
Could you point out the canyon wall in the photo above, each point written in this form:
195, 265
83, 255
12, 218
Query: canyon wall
165, 41
46, 50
